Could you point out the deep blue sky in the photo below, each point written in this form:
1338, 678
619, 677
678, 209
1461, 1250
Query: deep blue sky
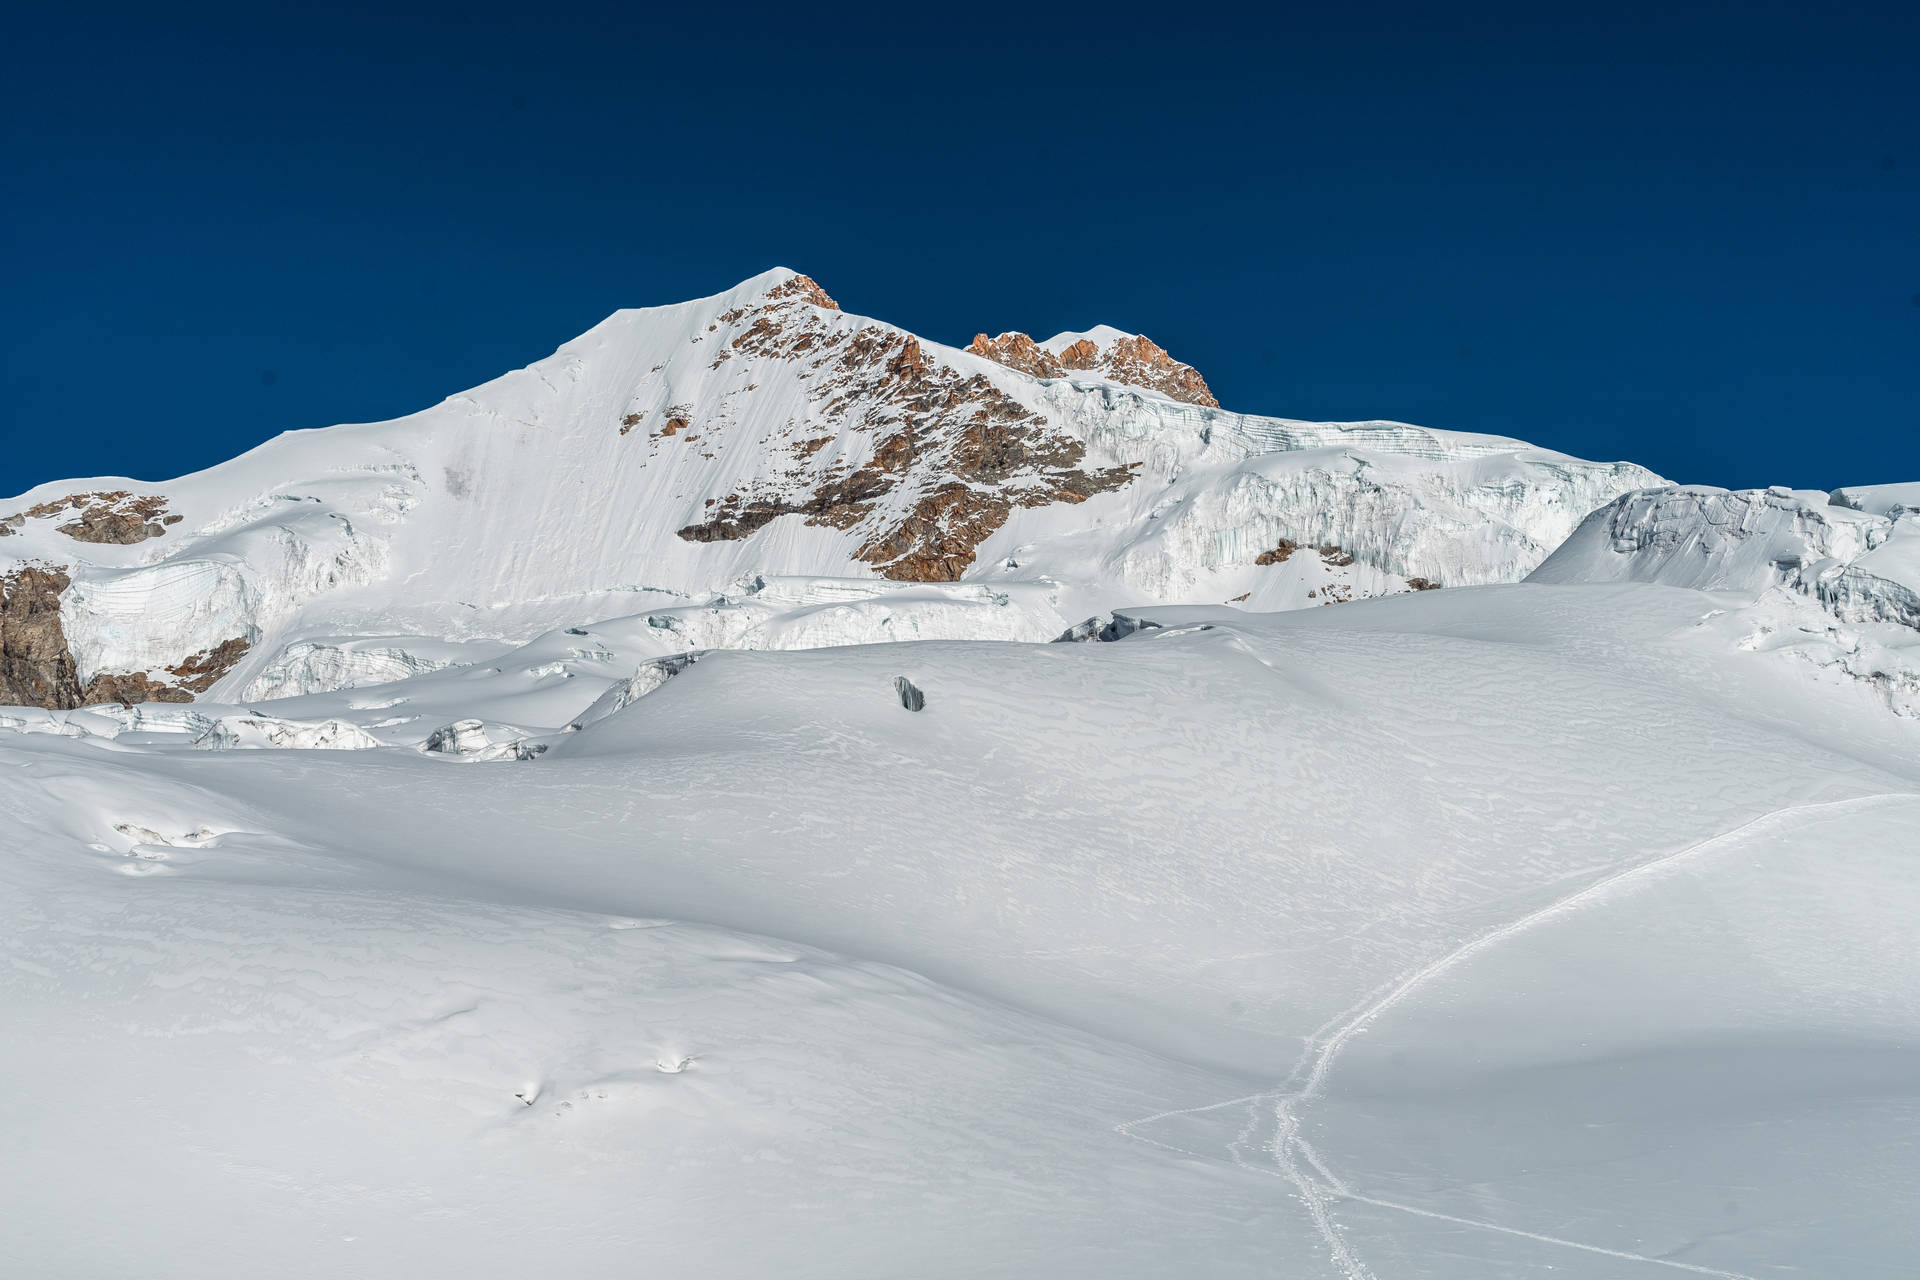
1690, 239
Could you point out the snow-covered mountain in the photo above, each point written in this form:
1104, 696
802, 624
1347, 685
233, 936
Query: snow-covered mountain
758, 793
690, 455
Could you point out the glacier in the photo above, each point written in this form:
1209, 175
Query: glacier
1832, 580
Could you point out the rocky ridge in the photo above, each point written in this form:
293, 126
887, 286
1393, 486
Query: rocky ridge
764, 435
117, 517
1131, 359
955, 453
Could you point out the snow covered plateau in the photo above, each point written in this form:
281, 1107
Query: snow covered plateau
759, 793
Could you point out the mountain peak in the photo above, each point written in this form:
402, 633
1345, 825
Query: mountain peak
795, 285
677, 451
1128, 358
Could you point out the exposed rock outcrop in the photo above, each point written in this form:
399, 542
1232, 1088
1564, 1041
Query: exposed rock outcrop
117, 517
129, 689
203, 670
1140, 362
37, 667
1279, 554
803, 288
191, 676
1132, 359
1018, 351
953, 458
1284, 549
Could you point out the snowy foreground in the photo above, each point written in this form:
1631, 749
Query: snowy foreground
670, 812
1487, 932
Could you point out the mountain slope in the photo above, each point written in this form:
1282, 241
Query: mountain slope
673, 455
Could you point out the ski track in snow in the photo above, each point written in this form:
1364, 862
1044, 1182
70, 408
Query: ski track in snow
1289, 1147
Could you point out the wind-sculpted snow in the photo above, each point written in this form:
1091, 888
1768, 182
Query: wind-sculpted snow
1076, 959
1831, 579
1750, 540
670, 453
328, 664
1889, 500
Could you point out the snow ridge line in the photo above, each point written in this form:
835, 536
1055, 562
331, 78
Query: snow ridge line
1324, 1045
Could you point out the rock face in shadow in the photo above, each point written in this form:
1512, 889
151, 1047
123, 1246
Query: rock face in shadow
36, 666
910, 696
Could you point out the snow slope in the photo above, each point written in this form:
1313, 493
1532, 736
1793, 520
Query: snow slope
1830, 580
1300, 941
1856, 551
671, 454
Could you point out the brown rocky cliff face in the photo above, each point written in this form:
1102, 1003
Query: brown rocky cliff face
936, 542
192, 675
100, 524
1080, 355
803, 288
953, 456
1135, 361
1018, 351
36, 667
1140, 362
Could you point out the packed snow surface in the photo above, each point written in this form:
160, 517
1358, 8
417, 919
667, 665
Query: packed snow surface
1498, 931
